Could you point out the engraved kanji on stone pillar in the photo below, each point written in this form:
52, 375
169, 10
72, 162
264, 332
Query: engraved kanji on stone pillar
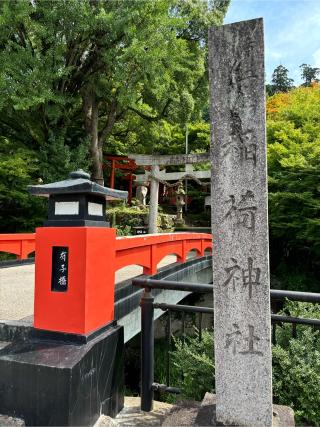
243, 373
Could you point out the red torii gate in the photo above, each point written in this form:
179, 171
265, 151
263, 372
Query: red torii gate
122, 163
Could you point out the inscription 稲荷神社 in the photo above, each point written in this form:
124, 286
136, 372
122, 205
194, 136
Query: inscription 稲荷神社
243, 213
243, 372
243, 344
247, 277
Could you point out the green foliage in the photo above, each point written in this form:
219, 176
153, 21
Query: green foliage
123, 218
296, 378
309, 74
80, 77
18, 210
160, 137
293, 130
63, 62
280, 81
296, 366
193, 359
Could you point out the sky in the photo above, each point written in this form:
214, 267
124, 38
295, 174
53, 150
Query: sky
292, 31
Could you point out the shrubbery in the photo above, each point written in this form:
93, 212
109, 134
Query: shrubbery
194, 360
123, 218
296, 366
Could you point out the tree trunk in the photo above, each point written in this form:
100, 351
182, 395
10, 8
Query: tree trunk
91, 112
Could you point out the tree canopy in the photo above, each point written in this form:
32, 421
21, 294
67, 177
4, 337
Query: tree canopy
309, 74
82, 77
73, 71
293, 129
280, 81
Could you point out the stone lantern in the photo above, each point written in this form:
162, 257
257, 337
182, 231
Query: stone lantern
180, 202
77, 201
74, 284
68, 368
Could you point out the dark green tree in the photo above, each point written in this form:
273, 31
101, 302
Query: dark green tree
80, 77
71, 70
309, 74
280, 81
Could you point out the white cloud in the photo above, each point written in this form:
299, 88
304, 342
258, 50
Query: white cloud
273, 54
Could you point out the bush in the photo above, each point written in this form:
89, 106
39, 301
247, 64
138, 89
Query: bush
19, 211
296, 366
123, 218
296, 376
194, 360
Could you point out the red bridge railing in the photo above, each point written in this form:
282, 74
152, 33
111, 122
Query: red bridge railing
146, 251
21, 244
89, 269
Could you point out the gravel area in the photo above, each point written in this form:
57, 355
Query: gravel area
16, 292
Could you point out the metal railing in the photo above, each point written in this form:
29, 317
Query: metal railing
148, 386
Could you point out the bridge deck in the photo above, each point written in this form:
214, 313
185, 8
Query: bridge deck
17, 287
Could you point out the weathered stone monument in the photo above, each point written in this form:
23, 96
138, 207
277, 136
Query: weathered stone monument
240, 225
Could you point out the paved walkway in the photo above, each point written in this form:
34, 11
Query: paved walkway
17, 287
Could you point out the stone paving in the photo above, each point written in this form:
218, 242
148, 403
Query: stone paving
17, 287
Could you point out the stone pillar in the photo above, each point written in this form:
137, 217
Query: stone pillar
240, 225
153, 205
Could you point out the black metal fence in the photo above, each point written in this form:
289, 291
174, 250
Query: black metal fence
148, 386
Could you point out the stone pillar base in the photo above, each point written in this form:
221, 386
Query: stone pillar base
283, 416
51, 382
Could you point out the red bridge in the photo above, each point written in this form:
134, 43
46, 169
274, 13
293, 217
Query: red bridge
146, 251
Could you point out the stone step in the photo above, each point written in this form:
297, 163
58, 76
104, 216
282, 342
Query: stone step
131, 415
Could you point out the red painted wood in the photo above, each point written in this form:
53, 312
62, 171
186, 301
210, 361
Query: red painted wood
148, 250
88, 302
20, 244
95, 254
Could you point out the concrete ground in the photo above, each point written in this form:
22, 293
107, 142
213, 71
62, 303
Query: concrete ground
17, 287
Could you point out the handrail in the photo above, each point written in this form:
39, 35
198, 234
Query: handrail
147, 250
278, 294
20, 244
172, 285
148, 306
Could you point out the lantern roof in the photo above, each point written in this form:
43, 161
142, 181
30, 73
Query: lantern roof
78, 183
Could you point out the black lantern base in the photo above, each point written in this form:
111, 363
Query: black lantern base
75, 223
50, 382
